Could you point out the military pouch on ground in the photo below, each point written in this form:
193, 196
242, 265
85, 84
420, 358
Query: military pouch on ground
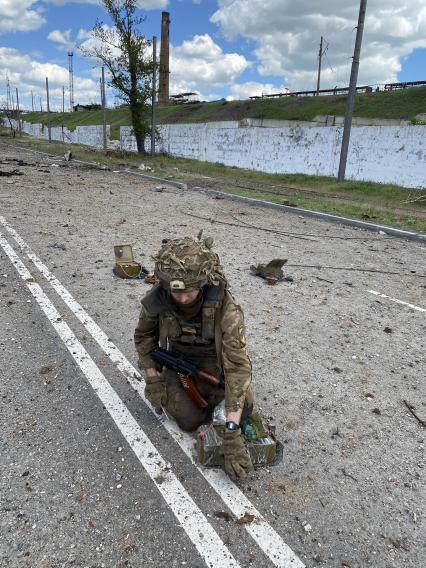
125, 265
262, 445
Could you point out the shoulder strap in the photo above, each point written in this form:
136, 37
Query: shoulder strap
212, 316
157, 301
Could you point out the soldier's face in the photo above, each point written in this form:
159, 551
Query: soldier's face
186, 296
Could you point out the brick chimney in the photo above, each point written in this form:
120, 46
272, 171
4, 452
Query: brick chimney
163, 91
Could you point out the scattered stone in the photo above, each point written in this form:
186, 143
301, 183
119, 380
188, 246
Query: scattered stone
246, 519
388, 330
400, 543
307, 527
11, 173
223, 515
58, 246
337, 369
376, 411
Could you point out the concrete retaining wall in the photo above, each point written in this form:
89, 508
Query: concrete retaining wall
86, 135
386, 154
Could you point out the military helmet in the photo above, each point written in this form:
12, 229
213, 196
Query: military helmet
187, 263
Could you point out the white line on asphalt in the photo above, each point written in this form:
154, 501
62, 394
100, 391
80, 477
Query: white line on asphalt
261, 531
202, 534
412, 306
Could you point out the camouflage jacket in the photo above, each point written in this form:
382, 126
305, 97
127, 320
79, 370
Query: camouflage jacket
160, 320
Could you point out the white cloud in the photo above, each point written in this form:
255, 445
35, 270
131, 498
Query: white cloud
253, 88
287, 35
63, 39
66, 40
144, 4
17, 15
201, 65
30, 75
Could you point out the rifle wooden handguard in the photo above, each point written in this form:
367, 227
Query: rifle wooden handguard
191, 390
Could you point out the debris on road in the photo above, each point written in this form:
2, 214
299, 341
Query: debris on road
126, 266
59, 246
272, 271
11, 173
246, 519
307, 527
223, 515
411, 408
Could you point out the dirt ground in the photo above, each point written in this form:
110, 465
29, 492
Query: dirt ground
332, 363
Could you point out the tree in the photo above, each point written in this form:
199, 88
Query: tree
124, 51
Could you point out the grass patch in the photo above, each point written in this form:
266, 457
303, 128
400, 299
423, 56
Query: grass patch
400, 104
383, 204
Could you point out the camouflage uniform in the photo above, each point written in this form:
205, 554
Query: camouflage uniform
209, 332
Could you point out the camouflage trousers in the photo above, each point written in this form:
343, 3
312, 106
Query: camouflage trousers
186, 413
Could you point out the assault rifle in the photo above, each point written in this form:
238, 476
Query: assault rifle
186, 372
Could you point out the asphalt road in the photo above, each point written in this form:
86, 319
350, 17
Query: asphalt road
91, 477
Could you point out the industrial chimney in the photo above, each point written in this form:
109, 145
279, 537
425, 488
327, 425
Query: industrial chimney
163, 91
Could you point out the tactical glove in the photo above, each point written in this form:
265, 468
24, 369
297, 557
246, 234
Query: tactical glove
155, 392
237, 459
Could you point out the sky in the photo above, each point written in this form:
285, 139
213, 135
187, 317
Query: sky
229, 49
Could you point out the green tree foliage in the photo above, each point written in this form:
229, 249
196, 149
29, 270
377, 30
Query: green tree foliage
125, 53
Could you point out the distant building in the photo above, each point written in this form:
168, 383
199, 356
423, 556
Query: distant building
185, 98
78, 108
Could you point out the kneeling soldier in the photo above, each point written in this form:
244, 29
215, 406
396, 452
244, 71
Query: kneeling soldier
192, 313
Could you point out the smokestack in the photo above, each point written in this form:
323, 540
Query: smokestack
163, 91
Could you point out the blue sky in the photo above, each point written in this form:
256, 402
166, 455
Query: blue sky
220, 48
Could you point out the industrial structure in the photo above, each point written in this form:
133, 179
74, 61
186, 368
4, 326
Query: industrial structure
71, 79
163, 91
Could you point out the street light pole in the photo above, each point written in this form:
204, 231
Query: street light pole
103, 109
49, 126
350, 103
319, 66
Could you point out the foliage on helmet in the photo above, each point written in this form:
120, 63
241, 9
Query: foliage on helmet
187, 263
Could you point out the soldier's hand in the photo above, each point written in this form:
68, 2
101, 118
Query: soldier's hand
155, 392
237, 459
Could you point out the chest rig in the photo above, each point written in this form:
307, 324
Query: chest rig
201, 336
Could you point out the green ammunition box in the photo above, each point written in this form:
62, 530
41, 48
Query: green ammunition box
125, 265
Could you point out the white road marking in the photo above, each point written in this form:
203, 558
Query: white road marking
271, 543
207, 542
412, 306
